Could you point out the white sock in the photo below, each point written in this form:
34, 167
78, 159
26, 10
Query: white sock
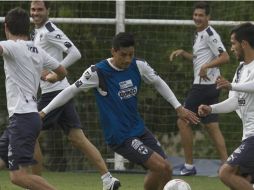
106, 178
189, 166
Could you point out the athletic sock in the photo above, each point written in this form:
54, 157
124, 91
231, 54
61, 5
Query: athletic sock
189, 166
106, 178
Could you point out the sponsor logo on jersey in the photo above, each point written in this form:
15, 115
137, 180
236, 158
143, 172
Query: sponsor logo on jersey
128, 93
127, 90
125, 84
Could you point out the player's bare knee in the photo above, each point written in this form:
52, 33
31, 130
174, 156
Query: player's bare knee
164, 169
74, 141
223, 174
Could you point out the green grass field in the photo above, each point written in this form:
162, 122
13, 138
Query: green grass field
91, 181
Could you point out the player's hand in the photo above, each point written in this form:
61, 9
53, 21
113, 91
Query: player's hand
175, 53
42, 114
222, 83
204, 110
187, 115
44, 74
203, 73
51, 77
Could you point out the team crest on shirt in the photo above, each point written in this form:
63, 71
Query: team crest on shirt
127, 89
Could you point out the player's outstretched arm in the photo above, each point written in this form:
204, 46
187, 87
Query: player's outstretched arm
61, 99
182, 53
187, 115
227, 106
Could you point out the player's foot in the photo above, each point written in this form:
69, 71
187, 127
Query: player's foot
114, 184
186, 172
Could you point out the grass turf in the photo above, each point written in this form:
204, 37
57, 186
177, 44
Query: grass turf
92, 181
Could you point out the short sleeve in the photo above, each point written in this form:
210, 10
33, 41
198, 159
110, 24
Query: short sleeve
8, 48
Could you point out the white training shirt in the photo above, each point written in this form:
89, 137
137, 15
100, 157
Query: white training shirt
90, 80
55, 43
23, 64
241, 99
207, 46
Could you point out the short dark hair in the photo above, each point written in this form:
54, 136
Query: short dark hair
202, 5
245, 32
123, 39
17, 21
46, 3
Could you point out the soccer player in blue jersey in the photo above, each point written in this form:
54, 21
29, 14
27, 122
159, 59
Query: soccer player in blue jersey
207, 56
53, 40
240, 164
116, 82
23, 64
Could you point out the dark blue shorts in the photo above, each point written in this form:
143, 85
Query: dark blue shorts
202, 94
139, 149
243, 157
18, 140
66, 116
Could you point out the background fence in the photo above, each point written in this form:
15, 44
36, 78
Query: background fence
159, 27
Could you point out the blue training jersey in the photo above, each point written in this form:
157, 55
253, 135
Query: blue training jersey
118, 109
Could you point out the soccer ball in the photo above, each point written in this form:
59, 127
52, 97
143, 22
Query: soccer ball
177, 184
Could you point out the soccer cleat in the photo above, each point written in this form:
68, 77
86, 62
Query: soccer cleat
113, 185
187, 172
